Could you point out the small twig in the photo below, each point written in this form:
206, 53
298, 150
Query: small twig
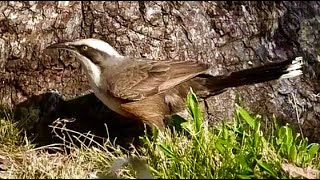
87, 135
297, 113
50, 146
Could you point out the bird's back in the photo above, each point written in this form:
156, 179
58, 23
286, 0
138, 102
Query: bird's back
137, 79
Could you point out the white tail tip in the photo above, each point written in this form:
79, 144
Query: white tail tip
295, 69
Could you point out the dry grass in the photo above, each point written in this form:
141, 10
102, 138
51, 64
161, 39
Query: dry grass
20, 159
41, 164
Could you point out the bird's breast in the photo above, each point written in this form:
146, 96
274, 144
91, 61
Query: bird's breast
110, 101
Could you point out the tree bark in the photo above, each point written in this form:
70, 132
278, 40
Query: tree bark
229, 35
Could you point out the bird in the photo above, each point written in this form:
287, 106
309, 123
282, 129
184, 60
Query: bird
151, 90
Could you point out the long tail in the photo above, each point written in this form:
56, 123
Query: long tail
278, 70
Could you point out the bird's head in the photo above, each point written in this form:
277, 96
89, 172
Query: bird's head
94, 50
94, 55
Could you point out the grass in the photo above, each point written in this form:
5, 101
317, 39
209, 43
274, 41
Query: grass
191, 149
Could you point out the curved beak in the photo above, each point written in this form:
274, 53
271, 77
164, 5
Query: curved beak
65, 45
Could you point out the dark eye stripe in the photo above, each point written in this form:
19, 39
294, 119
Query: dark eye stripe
94, 55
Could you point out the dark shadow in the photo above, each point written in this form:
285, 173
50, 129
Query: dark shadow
83, 114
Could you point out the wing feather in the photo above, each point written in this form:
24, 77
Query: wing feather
140, 80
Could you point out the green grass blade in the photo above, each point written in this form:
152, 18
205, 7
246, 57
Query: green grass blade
245, 115
266, 167
313, 149
293, 153
194, 108
168, 152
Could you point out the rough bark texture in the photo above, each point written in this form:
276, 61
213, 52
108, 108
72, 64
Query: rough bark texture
228, 35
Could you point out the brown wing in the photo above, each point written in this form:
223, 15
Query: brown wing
140, 80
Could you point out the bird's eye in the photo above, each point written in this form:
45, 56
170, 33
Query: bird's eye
84, 48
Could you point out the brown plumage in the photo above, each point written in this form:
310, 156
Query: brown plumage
152, 91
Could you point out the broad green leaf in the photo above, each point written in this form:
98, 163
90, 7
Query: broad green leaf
293, 153
285, 134
313, 149
266, 167
243, 163
245, 115
194, 108
289, 138
220, 147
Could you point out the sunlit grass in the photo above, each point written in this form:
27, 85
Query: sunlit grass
235, 150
